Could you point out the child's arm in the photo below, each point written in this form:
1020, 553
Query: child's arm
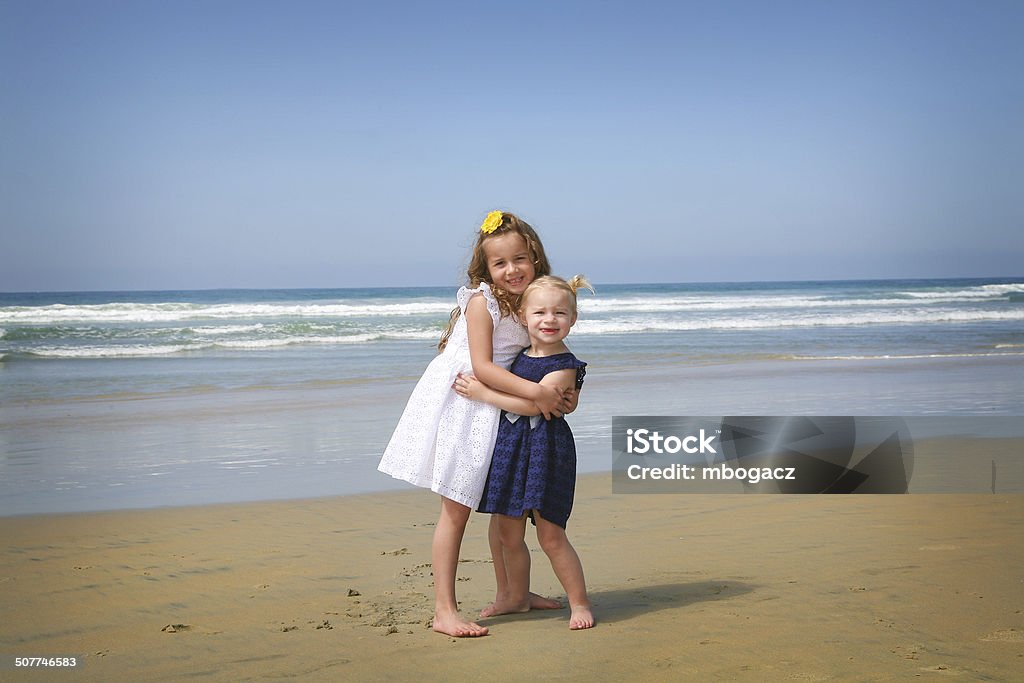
472, 388
480, 329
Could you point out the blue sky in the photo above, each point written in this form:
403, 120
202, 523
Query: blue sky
163, 145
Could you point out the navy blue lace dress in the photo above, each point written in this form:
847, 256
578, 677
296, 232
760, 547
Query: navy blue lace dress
534, 465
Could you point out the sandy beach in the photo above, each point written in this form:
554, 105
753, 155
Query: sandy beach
747, 587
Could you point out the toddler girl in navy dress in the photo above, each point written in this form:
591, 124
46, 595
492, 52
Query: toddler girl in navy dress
533, 469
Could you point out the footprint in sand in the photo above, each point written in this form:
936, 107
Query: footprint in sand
183, 628
942, 669
1006, 635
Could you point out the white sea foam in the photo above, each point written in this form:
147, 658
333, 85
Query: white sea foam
978, 293
156, 329
138, 350
175, 312
669, 304
412, 334
909, 316
270, 337
289, 341
922, 356
115, 351
223, 329
170, 312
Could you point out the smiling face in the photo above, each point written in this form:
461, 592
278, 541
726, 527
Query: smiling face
509, 262
548, 313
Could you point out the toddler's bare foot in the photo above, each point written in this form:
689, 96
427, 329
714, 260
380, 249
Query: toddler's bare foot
581, 618
540, 602
504, 605
454, 625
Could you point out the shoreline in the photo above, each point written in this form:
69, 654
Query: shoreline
957, 464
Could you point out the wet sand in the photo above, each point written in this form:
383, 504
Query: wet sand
204, 446
747, 587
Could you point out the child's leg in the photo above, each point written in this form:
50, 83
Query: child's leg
498, 557
512, 535
451, 527
502, 599
569, 570
503, 602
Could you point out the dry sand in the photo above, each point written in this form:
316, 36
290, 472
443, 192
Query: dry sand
748, 587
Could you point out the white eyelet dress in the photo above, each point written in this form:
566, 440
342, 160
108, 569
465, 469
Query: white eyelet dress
443, 441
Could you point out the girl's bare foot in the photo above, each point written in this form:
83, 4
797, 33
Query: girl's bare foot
454, 625
506, 606
581, 618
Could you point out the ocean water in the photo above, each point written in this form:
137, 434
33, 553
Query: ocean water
124, 399
56, 346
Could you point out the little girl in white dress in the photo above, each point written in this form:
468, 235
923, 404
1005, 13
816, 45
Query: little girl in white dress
444, 441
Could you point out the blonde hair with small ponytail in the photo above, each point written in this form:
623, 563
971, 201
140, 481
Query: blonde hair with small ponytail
570, 286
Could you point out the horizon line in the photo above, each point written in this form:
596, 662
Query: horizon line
439, 286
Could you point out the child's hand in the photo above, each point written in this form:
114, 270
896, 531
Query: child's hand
549, 401
468, 386
570, 400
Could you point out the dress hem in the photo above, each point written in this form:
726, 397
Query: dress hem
440, 489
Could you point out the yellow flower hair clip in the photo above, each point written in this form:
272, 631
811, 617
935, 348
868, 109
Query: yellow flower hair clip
492, 222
